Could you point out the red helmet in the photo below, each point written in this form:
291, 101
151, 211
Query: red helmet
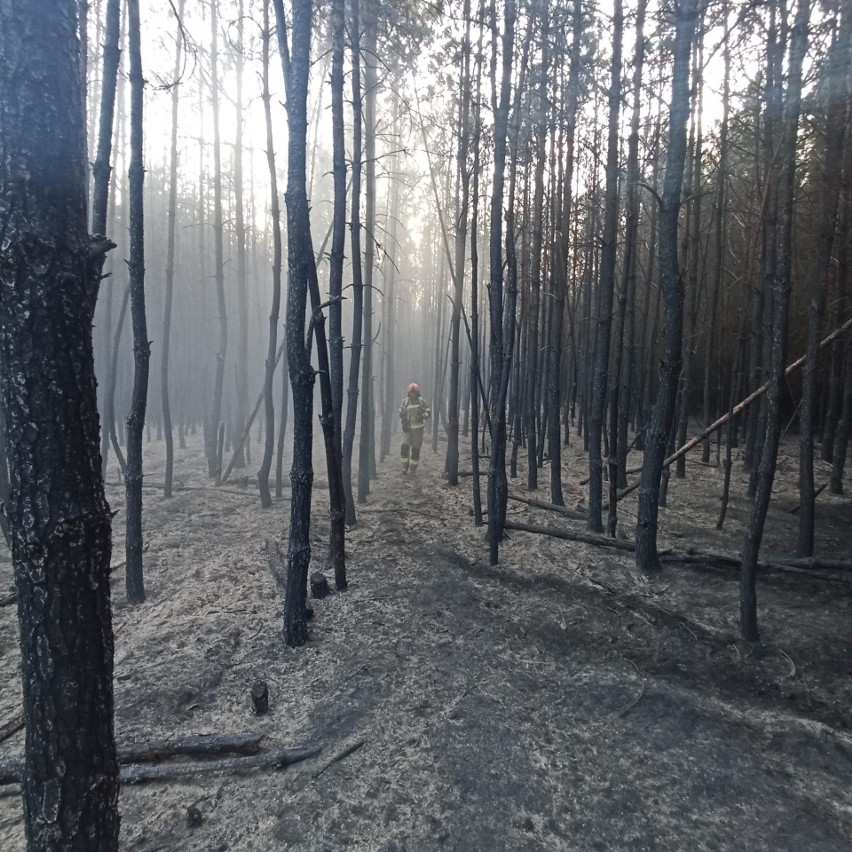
414, 388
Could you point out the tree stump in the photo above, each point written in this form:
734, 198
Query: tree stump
260, 698
319, 585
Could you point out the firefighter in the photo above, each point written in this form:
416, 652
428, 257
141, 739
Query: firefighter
413, 413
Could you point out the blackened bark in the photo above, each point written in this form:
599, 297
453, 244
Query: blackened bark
530, 406
463, 178
243, 453
672, 294
170, 264
275, 309
296, 63
101, 169
357, 279
214, 466
366, 442
781, 297
837, 65
58, 514
141, 346
498, 378
606, 283
622, 399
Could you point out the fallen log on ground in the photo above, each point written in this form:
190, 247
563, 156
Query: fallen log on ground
692, 556
572, 535
576, 514
137, 773
196, 745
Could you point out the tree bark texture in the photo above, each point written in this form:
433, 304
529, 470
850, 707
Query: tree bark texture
58, 514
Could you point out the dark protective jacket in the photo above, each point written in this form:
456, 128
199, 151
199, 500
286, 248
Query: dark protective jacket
414, 412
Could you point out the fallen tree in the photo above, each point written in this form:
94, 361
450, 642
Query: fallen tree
691, 555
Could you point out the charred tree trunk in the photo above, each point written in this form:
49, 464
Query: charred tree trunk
357, 279
170, 262
275, 309
781, 297
606, 283
244, 452
839, 57
214, 468
366, 442
58, 515
670, 287
499, 378
141, 346
299, 259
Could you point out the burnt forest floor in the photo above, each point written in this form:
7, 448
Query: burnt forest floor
554, 702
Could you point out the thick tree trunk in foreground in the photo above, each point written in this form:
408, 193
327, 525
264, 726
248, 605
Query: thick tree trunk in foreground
141, 347
661, 417
58, 515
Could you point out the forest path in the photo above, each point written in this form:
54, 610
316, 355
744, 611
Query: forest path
550, 703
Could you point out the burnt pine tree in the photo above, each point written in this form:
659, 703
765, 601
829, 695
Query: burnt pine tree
58, 515
671, 290
141, 346
170, 262
296, 61
781, 280
275, 309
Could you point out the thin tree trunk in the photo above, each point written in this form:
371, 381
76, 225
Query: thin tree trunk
606, 283
275, 309
141, 346
170, 262
299, 259
781, 297
498, 381
357, 279
837, 65
213, 464
661, 418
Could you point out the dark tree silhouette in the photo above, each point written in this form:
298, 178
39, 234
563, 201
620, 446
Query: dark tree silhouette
58, 515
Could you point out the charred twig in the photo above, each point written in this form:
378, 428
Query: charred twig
15, 724
350, 749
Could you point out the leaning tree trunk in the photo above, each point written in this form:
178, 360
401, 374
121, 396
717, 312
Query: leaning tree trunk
170, 263
141, 346
58, 515
663, 412
275, 309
